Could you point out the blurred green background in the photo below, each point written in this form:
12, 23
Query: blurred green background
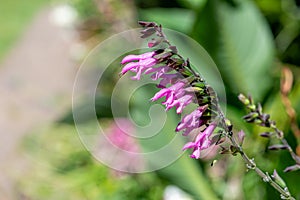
250, 42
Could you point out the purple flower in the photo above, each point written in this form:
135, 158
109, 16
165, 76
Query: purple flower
167, 79
170, 92
180, 103
175, 96
202, 141
158, 72
144, 62
191, 121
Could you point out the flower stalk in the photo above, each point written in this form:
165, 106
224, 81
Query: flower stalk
181, 86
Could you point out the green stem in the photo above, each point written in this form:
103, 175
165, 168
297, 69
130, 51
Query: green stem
252, 165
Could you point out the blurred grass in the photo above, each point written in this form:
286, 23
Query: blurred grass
15, 15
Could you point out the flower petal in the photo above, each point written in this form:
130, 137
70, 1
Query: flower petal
129, 66
188, 146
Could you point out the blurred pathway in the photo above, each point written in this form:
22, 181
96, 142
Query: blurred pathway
36, 80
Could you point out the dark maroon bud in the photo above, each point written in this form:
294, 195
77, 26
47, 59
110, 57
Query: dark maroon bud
277, 147
163, 56
147, 24
250, 99
292, 168
147, 32
266, 134
173, 49
265, 117
251, 116
259, 108
159, 51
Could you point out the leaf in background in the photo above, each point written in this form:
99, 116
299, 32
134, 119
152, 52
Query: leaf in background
247, 51
175, 18
102, 108
184, 172
239, 40
192, 4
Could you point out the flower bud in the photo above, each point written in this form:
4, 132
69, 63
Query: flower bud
147, 24
277, 147
241, 137
259, 108
278, 179
266, 134
147, 32
251, 117
244, 99
292, 168
173, 49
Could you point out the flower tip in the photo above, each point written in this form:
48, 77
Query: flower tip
151, 44
244, 99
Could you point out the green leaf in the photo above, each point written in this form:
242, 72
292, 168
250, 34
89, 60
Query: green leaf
240, 42
246, 52
184, 171
173, 18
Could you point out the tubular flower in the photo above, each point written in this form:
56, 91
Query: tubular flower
191, 121
175, 96
144, 62
201, 142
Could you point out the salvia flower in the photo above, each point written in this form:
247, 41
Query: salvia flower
201, 142
144, 62
175, 96
180, 86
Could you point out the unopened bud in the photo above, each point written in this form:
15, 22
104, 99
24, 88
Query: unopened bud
265, 117
241, 137
147, 24
259, 108
277, 147
173, 49
292, 168
266, 134
251, 117
258, 121
244, 99
278, 179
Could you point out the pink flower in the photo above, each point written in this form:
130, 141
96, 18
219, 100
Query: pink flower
157, 72
119, 138
144, 62
118, 149
202, 141
170, 93
191, 121
180, 103
176, 96
167, 79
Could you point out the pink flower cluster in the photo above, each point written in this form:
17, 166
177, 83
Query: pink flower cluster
179, 95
